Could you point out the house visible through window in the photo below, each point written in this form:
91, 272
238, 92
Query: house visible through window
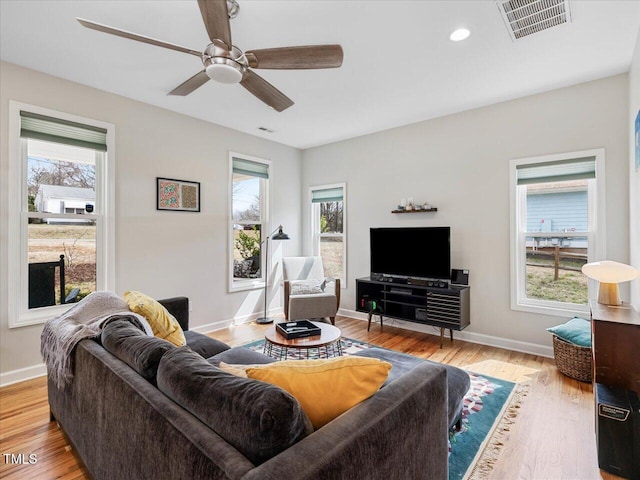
556, 230
249, 207
60, 233
328, 229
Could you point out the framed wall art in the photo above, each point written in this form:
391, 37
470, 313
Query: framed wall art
177, 195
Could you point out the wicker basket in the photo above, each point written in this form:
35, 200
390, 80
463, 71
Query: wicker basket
572, 360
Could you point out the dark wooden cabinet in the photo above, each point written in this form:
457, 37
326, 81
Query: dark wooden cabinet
444, 307
616, 346
615, 332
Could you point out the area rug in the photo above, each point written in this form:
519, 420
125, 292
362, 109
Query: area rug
490, 408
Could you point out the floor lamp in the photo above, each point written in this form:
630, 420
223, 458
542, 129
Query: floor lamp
274, 236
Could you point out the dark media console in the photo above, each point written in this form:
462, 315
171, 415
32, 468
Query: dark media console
429, 302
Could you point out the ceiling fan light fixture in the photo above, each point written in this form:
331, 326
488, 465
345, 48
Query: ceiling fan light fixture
224, 73
459, 34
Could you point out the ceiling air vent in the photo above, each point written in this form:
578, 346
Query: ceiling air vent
526, 17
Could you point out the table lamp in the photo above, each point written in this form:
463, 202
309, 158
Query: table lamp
274, 236
609, 274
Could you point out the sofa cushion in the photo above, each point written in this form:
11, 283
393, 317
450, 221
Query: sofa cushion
134, 347
458, 381
241, 355
163, 324
325, 388
260, 420
204, 346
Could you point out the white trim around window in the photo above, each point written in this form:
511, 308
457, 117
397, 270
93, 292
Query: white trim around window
314, 232
234, 284
19, 313
596, 233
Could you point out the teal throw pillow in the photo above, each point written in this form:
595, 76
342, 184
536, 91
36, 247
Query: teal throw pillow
576, 331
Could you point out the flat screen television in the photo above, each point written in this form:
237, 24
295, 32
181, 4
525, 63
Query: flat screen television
416, 252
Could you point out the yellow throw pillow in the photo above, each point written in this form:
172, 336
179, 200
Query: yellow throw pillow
325, 388
163, 324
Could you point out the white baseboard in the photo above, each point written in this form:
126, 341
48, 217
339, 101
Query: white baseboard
22, 374
210, 327
220, 324
489, 340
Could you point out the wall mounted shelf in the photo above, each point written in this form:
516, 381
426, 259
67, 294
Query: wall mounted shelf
422, 210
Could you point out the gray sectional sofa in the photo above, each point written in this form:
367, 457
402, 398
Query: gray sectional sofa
140, 408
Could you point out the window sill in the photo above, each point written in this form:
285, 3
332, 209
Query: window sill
38, 316
562, 310
244, 285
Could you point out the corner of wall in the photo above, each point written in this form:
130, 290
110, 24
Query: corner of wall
634, 170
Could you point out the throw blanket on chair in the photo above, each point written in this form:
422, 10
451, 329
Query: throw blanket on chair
85, 319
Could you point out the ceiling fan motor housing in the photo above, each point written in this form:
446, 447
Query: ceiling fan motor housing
224, 65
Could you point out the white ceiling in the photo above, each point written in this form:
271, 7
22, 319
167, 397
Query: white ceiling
399, 65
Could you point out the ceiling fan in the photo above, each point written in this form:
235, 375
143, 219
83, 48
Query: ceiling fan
226, 63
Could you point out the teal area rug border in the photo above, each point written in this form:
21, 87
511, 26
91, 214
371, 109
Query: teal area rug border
478, 428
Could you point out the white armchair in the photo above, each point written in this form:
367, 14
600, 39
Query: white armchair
308, 293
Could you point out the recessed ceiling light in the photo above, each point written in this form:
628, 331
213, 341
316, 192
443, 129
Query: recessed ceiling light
459, 34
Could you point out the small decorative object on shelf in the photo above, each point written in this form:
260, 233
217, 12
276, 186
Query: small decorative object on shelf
407, 205
416, 210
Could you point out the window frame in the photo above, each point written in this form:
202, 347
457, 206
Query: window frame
238, 285
19, 313
596, 233
315, 235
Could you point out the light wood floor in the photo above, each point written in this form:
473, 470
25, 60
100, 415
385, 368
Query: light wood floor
553, 437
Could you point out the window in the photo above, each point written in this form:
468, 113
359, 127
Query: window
59, 227
328, 229
249, 215
557, 214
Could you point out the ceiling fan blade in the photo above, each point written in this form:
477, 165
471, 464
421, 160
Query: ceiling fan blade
185, 88
293, 58
265, 91
215, 15
135, 36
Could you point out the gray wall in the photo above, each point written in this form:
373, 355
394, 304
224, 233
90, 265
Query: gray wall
160, 253
460, 164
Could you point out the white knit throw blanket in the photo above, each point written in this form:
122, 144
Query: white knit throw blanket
85, 319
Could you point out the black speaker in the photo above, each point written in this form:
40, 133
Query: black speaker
459, 277
618, 431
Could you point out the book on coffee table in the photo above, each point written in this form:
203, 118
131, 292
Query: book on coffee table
297, 329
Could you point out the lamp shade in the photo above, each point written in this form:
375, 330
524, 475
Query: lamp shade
609, 274
280, 235
608, 271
